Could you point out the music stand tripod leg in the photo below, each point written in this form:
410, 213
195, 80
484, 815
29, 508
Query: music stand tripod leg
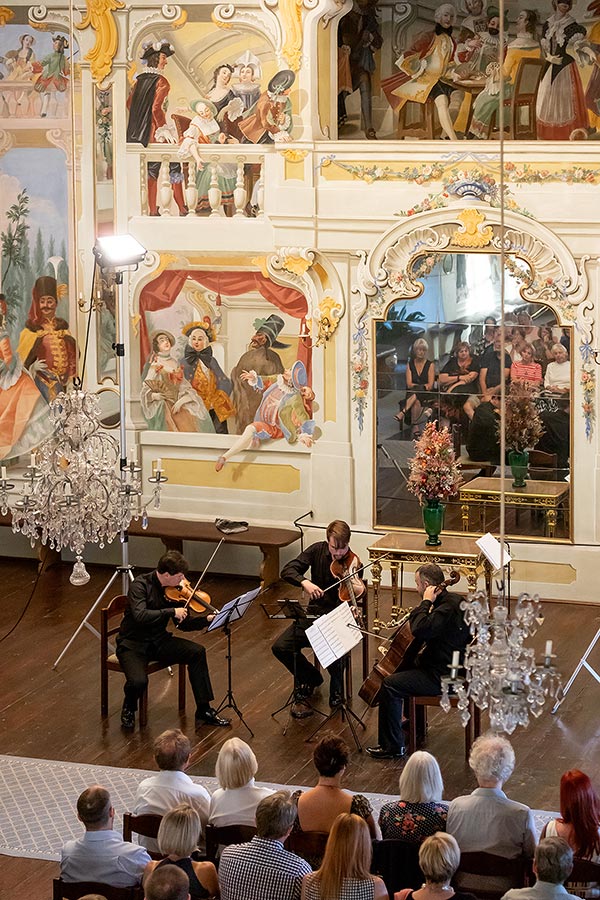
289, 703
347, 715
228, 701
582, 664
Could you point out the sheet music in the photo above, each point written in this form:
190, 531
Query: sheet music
240, 603
330, 635
492, 550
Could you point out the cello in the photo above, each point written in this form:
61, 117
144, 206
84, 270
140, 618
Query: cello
402, 652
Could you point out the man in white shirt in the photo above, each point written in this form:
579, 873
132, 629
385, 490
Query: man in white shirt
171, 786
101, 854
552, 864
487, 820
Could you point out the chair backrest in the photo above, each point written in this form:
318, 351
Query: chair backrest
527, 79
73, 890
116, 607
146, 824
489, 876
310, 845
543, 466
221, 836
584, 870
397, 862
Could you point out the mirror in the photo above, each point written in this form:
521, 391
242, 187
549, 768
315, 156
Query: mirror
438, 359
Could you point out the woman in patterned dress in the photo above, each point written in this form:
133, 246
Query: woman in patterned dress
420, 811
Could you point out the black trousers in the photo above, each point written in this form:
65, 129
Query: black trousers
394, 691
170, 651
288, 650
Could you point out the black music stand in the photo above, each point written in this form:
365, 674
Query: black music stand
231, 612
292, 609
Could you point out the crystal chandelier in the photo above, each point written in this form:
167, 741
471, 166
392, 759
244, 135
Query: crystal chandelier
501, 674
74, 492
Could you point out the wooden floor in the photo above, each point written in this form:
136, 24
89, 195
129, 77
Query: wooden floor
56, 714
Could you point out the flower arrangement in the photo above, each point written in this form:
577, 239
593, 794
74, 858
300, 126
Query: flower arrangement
434, 472
523, 426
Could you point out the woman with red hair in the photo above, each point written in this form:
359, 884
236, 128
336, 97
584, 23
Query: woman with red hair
579, 823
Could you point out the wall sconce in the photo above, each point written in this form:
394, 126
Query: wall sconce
325, 330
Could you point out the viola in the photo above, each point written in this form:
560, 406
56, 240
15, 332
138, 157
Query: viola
197, 600
346, 571
402, 652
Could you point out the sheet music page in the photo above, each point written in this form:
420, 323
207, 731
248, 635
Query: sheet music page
330, 635
238, 604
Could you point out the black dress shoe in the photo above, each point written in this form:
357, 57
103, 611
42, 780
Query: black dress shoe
304, 691
382, 753
301, 709
336, 699
211, 717
127, 718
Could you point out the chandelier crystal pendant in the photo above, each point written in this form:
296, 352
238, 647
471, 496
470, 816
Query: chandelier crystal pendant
501, 673
74, 491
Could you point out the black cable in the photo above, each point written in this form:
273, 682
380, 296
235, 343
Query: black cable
27, 605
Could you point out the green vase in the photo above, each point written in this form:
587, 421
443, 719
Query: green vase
518, 461
433, 521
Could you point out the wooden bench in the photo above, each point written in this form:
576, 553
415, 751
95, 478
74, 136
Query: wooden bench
173, 532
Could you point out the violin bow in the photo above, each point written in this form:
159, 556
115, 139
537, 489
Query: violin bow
206, 567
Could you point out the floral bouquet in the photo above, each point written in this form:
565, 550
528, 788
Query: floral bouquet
523, 425
434, 472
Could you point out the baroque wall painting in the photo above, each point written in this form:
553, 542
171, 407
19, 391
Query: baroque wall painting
221, 353
417, 71
35, 69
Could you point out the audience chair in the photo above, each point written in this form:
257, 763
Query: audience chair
146, 824
397, 862
72, 890
223, 835
417, 716
501, 874
584, 872
109, 661
310, 845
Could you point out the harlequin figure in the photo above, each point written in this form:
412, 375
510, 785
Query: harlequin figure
46, 346
206, 375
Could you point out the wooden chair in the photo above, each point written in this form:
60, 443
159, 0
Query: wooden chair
501, 874
310, 845
423, 125
527, 81
73, 890
110, 663
543, 466
146, 824
224, 835
397, 862
417, 715
585, 872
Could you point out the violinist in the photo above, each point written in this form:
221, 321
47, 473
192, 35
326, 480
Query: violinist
287, 648
438, 628
143, 636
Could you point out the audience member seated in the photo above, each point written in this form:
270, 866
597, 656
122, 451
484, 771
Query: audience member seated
167, 883
491, 371
483, 440
235, 801
420, 373
557, 435
527, 371
263, 869
558, 373
439, 858
101, 854
579, 823
319, 807
552, 865
93, 897
487, 820
178, 837
459, 375
160, 793
344, 873
420, 811
543, 346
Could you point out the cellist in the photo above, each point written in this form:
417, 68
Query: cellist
288, 646
438, 622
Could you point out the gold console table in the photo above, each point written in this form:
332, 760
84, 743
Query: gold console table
547, 496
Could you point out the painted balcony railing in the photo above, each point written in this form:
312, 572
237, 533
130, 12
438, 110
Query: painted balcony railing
215, 181
20, 100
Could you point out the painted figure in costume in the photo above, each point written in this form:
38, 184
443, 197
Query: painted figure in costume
204, 129
229, 108
169, 402
54, 72
263, 360
560, 107
147, 120
474, 22
283, 412
423, 66
592, 91
206, 375
24, 420
20, 62
483, 48
270, 119
46, 346
360, 32
248, 71
524, 46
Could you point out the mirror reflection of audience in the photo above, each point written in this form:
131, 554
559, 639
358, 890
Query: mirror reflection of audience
420, 373
557, 379
557, 435
490, 374
543, 345
482, 336
527, 370
483, 441
459, 377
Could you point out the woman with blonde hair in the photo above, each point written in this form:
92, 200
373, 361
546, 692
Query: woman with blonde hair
344, 873
178, 836
439, 858
420, 810
235, 801
420, 378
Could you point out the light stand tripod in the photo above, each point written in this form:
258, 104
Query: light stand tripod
231, 612
582, 664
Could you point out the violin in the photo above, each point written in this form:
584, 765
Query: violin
401, 653
197, 600
345, 570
